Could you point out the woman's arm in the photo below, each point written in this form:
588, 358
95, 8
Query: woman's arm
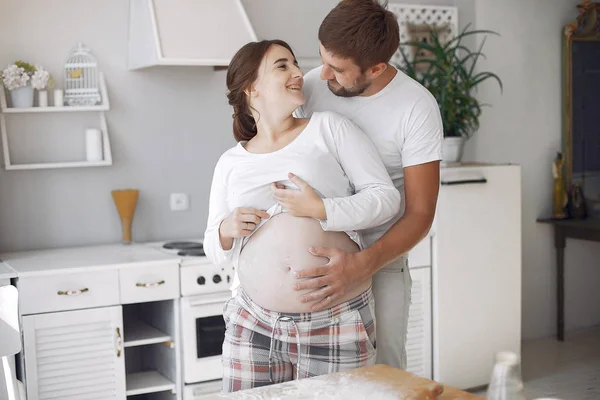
225, 229
218, 210
375, 201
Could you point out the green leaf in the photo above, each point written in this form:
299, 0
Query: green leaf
450, 77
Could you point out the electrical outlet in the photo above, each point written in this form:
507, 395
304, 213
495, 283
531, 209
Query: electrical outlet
179, 202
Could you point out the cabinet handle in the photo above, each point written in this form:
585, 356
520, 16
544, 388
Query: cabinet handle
119, 343
150, 285
72, 292
465, 182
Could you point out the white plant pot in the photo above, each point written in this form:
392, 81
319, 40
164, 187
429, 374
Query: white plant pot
22, 97
42, 98
452, 149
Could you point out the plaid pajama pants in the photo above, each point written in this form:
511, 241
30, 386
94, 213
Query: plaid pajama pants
264, 347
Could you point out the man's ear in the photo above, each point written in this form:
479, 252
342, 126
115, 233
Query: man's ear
376, 70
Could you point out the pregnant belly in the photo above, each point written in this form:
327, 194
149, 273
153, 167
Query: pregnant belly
279, 248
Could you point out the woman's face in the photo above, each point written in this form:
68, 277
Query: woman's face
279, 82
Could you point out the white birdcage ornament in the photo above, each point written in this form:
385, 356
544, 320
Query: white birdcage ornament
81, 79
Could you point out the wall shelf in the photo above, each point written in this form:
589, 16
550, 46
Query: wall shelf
69, 164
100, 108
13, 110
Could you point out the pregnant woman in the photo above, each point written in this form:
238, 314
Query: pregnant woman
263, 219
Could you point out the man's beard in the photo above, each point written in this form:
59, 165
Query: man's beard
357, 90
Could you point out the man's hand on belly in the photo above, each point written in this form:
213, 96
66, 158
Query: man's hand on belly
344, 272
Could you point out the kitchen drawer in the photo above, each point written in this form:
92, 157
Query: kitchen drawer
420, 255
69, 291
149, 283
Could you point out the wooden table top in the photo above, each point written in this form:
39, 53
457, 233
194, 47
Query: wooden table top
377, 382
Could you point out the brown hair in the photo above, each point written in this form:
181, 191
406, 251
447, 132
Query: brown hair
241, 74
362, 30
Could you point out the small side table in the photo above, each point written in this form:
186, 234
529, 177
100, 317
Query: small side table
586, 229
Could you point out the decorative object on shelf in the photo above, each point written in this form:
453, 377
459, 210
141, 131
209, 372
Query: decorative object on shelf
559, 192
81, 79
58, 98
16, 78
587, 22
411, 18
93, 145
433, 53
422, 33
577, 207
42, 80
126, 200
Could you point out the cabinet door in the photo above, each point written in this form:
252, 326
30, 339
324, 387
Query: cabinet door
418, 340
476, 272
75, 355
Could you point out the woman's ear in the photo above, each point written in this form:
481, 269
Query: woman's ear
251, 92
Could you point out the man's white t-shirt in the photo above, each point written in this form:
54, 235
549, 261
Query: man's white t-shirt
403, 121
332, 155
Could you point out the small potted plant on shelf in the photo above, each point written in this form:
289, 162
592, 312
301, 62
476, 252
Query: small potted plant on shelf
448, 71
16, 78
41, 80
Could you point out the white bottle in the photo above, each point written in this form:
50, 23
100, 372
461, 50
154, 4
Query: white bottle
93, 145
506, 382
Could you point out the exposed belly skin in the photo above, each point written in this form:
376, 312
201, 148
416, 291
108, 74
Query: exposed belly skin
279, 248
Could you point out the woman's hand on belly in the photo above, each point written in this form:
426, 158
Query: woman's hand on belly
241, 222
276, 251
304, 202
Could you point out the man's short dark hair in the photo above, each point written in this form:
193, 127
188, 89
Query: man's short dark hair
363, 30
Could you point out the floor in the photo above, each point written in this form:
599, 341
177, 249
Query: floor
568, 370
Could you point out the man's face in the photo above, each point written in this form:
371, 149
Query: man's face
344, 78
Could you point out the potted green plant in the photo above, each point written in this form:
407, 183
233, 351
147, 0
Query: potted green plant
448, 71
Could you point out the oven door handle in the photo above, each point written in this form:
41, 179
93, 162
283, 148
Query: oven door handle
203, 303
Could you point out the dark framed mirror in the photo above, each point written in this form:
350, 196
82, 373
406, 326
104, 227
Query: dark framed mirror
581, 104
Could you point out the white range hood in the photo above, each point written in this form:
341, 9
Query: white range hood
186, 32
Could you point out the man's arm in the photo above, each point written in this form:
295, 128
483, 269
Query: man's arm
421, 185
347, 270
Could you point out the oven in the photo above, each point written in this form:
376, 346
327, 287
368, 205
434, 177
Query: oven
203, 331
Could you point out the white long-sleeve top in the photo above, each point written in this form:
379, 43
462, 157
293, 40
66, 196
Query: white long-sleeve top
332, 155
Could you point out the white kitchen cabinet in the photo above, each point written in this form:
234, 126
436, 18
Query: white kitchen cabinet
63, 292
476, 272
149, 283
418, 340
99, 322
466, 292
75, 355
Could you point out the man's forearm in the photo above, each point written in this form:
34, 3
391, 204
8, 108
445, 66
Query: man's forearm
407, 232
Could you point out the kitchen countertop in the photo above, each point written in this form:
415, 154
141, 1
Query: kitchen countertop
88, 258
377, 382
6, 272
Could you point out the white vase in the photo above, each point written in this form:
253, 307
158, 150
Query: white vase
42, 98
452, 149
22, 97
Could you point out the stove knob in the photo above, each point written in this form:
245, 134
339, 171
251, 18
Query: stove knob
201, 280
228, 279
217, 278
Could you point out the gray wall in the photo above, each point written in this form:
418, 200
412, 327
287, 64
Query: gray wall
524, 126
